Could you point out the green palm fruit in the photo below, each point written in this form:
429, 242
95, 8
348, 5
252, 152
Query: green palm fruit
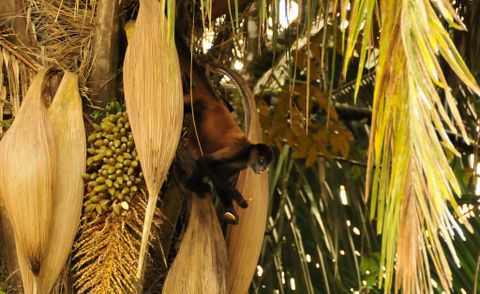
113, 171
99, 188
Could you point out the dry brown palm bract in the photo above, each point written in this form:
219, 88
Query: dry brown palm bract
244, 241
201, 263
153, 95
27, 179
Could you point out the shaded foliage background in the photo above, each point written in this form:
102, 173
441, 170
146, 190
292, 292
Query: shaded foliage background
345, 256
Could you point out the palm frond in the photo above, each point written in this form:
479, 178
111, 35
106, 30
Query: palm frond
18, 69
412, 180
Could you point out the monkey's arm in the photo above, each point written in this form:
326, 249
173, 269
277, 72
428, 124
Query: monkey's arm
196, 183
203, 168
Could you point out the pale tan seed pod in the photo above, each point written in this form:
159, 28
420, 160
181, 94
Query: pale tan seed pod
66, 116
27, 179
154, 99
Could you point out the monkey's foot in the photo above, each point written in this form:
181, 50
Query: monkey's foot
231, 216
242, 202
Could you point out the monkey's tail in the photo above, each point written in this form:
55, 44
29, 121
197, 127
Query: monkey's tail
248, 98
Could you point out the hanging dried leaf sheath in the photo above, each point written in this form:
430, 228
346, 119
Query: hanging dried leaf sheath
244, 241
27, 171
153, 94
201, 263
65, 113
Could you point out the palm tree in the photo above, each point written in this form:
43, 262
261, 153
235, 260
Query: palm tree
371, 110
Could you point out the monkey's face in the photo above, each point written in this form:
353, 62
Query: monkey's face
259, 165
260, 158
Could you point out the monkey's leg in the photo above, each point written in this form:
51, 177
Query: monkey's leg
196, 183
238, 197
221, 183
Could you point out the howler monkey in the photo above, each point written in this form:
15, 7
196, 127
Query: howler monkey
221, 145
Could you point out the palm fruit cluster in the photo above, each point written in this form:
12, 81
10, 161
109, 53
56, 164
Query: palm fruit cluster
113, 175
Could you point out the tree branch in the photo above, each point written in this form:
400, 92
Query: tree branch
220, 7
103, 80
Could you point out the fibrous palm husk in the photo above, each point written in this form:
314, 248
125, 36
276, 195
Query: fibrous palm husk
201, 263
27, 179
153, 95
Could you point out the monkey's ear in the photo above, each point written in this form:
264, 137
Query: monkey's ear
265, 151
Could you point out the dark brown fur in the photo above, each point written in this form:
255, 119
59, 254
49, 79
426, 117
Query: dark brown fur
226, 151
219, 135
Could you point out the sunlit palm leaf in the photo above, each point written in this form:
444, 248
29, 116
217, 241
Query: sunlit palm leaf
413, 181
361, 19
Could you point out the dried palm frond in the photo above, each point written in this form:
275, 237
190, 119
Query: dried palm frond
17, 69
23, 58
64, 31
27, 180
244, 242
62, 35
413, 184
201, 263
154, 99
